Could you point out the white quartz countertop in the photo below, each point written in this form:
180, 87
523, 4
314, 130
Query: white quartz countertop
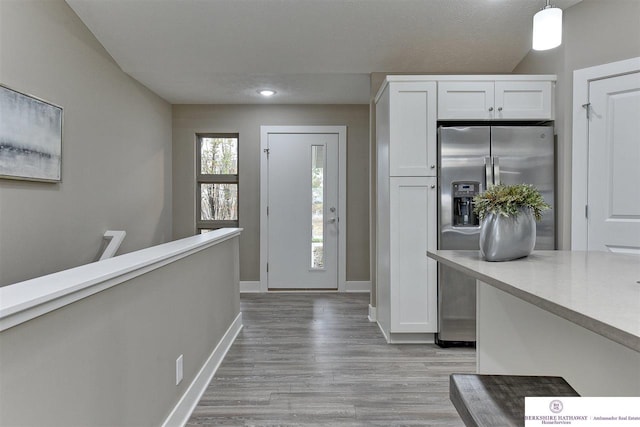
599, 291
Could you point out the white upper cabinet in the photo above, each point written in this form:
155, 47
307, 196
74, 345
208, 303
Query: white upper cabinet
465, 100
495, 100
413, 137
523, 100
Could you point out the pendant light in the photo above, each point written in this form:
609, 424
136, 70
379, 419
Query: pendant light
547, 28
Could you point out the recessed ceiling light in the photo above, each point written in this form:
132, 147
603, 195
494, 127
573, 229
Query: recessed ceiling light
267, 92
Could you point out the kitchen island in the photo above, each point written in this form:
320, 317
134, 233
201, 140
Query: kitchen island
564, 313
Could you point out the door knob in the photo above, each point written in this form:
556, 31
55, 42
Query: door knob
331, 220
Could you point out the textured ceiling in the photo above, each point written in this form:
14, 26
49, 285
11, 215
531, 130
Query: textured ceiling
309, 51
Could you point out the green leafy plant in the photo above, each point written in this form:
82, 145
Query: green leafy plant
506, 200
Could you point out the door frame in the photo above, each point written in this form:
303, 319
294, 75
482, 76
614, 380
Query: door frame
580, 142
341, 131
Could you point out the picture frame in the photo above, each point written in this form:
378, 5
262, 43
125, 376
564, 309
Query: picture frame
30, 137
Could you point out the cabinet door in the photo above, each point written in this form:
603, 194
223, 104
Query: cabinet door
465, 100
412, 274
412, 150
523, 100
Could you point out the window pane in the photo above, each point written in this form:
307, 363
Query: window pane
219, 202
317, 206
219, 156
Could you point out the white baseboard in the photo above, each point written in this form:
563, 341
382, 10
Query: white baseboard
406, 338
187, 403
358, 286
372, 313
250, 287
411, 338
386, 338
352, 286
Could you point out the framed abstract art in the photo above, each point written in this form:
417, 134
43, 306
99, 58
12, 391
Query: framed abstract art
30, 137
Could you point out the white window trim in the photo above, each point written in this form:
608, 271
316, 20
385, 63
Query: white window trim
341, 131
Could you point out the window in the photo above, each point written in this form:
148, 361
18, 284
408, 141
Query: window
217, 181
317, 207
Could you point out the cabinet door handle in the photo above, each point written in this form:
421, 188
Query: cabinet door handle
499, 108
433, 186
490, 108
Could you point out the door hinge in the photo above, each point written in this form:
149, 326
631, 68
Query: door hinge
267, 150
586, 211
267, 210
587, 107
267, 267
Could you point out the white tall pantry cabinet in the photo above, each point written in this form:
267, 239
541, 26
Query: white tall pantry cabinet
406, 206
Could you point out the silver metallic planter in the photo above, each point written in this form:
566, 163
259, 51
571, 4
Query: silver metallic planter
506, 238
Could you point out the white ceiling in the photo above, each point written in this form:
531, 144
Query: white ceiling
309, 51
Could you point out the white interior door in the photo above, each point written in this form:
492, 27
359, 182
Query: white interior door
302, 219
614, 164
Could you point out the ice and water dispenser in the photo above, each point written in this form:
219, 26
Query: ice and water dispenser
463, 193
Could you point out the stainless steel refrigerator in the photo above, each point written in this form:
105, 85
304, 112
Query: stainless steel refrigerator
470, 159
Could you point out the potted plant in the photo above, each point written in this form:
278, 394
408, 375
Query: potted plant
508, 215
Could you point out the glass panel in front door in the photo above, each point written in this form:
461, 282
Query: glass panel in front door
317, 206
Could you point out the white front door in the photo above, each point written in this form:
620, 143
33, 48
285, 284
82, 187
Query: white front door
614, 164
302, 220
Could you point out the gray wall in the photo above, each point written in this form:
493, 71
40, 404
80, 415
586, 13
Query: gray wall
116, 157
246, 120
109, 359
595, 32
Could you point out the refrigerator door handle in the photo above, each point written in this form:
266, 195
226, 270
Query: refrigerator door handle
488, 174
496, 170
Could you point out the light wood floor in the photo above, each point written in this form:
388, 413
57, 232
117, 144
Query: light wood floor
315, 359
